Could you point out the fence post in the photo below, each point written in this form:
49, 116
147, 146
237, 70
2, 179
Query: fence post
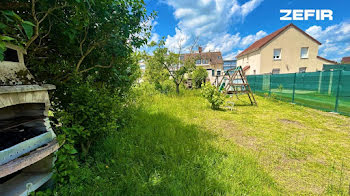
255, 83
338, 91
330, 83
293, 96
270, 86
320, 82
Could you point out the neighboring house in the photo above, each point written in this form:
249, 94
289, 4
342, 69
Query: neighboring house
287, 50
229, 64
345, 60
211, 61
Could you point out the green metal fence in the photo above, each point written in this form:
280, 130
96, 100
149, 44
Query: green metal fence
327, 90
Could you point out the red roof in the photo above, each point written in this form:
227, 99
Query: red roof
345, 59
246, 68
213, 57
263, 41
334, 62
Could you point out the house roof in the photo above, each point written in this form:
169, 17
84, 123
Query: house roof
213, 57
330, 61
246, 68
265, 40
345, 59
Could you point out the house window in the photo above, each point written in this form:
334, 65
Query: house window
198, 62
204, 61
275, 71
304, 54
212, 72
209, 71
276, 54
302, 69
11, 55
218, 72
219, 57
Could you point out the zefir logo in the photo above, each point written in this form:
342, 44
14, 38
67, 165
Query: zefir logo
298, 14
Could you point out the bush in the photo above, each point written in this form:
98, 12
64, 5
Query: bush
165, 87
93, 113
199, 75
215, 98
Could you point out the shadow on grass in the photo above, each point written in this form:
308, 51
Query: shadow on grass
161, 155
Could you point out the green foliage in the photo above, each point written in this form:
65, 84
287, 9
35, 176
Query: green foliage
164, 64
155, 73
93, 114
85, 48
10, 30
280, 88
215, 98
199, 76
165, 87
28, 28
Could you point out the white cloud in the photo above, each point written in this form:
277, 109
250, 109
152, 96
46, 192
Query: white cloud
223, 43
180, 39
335, 40
232, 55
250, 6
210, 20
246, 41
155, 37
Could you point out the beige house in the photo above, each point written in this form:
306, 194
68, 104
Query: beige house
345, 60
287, 50
211, 61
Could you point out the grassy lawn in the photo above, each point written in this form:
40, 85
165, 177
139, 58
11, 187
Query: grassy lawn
313, 99
177, 145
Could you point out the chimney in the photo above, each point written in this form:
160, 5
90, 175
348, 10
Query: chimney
200, 49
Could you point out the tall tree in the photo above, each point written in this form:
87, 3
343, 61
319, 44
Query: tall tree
176, 67
199, 76
86, 49
70, 38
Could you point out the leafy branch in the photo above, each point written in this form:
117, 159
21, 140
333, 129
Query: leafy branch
38, 21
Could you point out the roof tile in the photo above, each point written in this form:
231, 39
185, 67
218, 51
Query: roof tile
345, 59
263, 41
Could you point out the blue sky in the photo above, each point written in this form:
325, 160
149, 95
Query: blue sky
230, 26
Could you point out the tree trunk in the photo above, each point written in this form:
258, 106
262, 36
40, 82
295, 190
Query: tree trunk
177, 88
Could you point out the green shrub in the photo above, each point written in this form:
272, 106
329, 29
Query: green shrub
280, 88
92, 115
215, 98
165, 87
199, 75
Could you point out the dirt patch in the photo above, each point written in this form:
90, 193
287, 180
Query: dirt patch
243, 140
229, 131
287, 121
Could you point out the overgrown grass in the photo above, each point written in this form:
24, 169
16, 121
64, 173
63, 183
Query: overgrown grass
312, 99
177, 145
